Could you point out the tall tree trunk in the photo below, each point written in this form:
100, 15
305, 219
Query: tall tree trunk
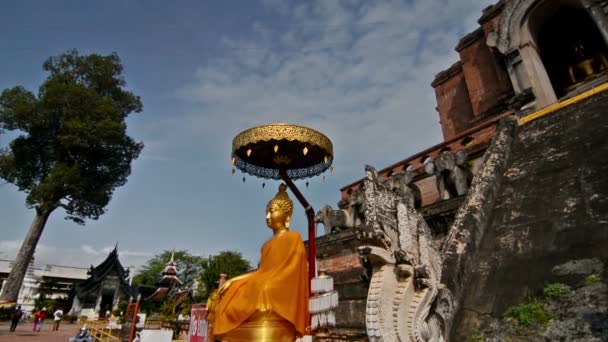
11, 288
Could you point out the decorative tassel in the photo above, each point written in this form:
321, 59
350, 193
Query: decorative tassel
322, 285
263, 185
233, 170
243, 179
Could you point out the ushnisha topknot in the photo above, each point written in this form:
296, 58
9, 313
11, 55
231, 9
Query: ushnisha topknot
282, 200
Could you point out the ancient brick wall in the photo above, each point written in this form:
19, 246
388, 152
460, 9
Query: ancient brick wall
487, 80
453, 102
337, 256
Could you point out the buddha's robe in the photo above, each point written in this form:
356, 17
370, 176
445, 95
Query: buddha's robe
280, 284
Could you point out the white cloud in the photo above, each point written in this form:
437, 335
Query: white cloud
358, 71
82, 256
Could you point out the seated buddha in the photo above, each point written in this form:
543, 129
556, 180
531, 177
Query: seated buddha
585, 66
271, 303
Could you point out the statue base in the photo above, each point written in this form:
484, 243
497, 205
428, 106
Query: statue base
264, 326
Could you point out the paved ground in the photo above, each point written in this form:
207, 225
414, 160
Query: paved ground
24, 332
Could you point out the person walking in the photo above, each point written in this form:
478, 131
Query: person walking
57, 316
39, 318
36, 319
16, 318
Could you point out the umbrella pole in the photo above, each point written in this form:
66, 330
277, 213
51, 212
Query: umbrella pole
310, 215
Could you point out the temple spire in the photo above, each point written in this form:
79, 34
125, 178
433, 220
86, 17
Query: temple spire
169, 273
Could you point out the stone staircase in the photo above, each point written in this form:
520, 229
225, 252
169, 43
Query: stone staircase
552, 208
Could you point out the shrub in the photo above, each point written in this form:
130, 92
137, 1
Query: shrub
476, 337
556, 291
591, 279
529, 314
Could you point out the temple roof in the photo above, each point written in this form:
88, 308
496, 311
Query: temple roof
101, 271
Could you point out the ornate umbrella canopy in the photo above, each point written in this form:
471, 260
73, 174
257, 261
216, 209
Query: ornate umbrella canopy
261, 151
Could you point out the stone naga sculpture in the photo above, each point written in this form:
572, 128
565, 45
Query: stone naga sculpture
452, 177
406, 301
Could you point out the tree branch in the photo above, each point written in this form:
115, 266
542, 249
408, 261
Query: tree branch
66, 207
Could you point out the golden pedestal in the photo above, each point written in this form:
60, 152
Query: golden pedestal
264, 326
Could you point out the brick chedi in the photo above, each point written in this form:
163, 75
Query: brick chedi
524, 106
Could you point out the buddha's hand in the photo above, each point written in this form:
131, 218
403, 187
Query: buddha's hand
229, 282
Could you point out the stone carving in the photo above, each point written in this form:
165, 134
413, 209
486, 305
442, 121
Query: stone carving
402, 183
452, 176
403, 302
334, 219
349, 217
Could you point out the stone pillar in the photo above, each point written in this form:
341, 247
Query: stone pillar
537, 75
599, 17
99, 297
517, 72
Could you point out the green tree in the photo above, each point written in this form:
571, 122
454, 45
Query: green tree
73, 150
189, 267
231, 263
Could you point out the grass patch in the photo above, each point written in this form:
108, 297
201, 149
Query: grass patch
556, 291
591, 279
529, 315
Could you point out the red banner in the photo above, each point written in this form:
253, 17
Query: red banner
198, 324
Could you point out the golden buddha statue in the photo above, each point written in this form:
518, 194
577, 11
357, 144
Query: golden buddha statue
270, 304
585, 66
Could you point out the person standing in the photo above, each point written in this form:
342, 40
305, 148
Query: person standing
57, 316
16, 318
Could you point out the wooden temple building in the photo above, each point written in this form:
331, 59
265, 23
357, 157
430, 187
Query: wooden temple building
107, 284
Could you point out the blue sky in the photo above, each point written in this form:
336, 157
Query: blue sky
358, 71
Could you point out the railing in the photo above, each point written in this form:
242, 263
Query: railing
101, 331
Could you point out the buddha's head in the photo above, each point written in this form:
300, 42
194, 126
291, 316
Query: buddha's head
279, 210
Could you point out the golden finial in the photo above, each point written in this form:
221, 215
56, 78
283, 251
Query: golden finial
276, 148
248, 152
233, 160
305, 150
325, 160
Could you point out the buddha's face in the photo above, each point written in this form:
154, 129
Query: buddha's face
276, 218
